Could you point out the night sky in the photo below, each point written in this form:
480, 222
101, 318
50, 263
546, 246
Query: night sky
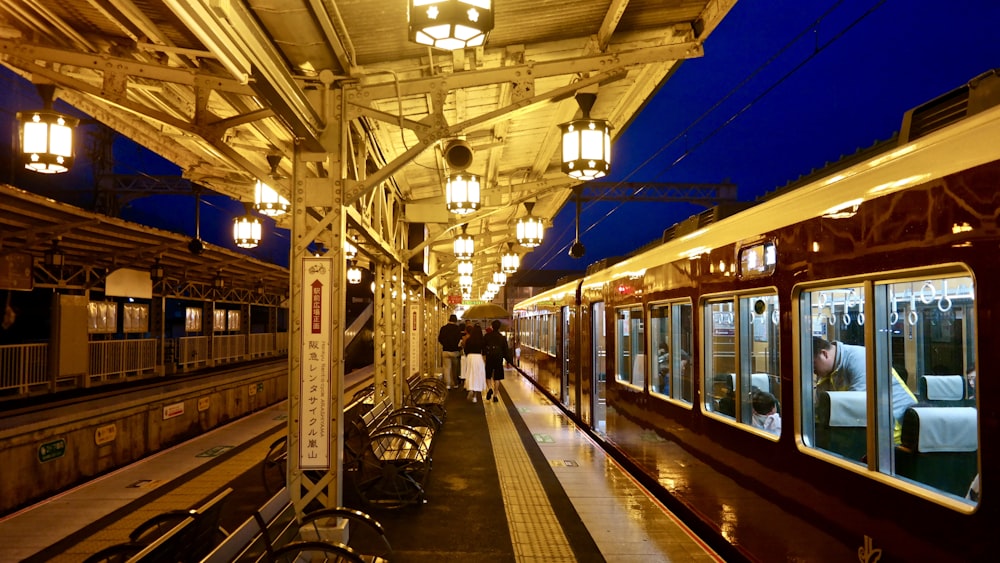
785, 87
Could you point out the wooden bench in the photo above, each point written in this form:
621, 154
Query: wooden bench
172, 536
273, 534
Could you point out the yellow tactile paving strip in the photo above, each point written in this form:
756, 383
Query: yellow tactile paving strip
535, 531
191, 493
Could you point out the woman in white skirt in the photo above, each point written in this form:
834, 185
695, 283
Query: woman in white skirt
473, 364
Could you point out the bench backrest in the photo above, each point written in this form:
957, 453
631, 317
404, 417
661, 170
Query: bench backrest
378, 412
250, 531
191, 538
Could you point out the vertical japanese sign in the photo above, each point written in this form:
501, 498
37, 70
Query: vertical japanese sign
314, 364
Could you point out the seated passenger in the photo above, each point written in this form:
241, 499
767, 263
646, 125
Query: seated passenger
765, 412
841, 367
971, 379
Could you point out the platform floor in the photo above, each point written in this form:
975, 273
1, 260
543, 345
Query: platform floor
555, 496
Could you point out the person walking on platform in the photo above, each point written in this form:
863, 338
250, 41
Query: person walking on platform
450, 338
475, 369
495, 352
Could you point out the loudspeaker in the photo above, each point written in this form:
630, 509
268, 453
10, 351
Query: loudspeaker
458, 154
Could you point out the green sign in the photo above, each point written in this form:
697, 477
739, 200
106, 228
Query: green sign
213, 452
51, 450
544, 439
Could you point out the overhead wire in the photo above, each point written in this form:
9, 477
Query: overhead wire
550, 255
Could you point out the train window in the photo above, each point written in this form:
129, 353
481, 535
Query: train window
720, 357
742, 351
670, 367
912, 341
760, 386
631, 360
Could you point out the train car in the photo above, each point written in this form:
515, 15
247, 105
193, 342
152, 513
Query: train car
799, 377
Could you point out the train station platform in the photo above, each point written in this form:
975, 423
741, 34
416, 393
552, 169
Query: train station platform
512, 480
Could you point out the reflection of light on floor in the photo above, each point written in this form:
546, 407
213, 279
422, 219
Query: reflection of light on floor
728, 522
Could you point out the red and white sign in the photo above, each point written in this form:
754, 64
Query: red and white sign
315, 374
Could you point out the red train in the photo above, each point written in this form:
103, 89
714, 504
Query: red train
799, 377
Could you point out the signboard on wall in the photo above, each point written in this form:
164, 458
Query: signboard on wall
15, 271
314, 363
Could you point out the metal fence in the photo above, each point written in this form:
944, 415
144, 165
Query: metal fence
23, 366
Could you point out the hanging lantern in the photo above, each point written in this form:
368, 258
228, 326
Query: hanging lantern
353, 274
465, 267
269, 202
586, 143
350, 250
510, 261
247, 230
499, 278
450, 24
530, 229
465, 282
464, 247
462, 193
492, 288
46, 136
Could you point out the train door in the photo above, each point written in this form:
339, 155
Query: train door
598, 405
567, 386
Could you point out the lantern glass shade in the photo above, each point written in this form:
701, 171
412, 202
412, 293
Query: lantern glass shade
586, 148
500, 278
465, 267
47, 141
510, 262
464, 247
450, 24
269, 202
247, 231
354, 275
462, 193
530, 231
465, 281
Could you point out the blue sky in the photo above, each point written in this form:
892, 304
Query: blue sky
785, 86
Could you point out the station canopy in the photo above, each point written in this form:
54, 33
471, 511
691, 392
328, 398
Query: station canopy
233, 91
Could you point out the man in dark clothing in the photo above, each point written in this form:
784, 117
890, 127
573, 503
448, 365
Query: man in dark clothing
495, 352
450, 338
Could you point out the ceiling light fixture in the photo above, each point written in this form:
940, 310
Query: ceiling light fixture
530, 230
247, 231
450, 24
462, 193
586, 143
464, 246
46, 136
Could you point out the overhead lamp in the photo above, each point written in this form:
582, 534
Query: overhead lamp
269, 202
350, 250
247, 230
465, 267
450, 24
465, 282
510, 261
156, 271
462, 193
499, 278
54, 256
586, 143
353, 274
464, 246
530, 229
492, 287
46, 136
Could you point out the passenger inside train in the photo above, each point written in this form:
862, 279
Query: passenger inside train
765, 411
926, 421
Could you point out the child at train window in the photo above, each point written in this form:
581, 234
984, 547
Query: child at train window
765, 412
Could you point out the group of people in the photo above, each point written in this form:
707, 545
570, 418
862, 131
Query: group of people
474, 359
